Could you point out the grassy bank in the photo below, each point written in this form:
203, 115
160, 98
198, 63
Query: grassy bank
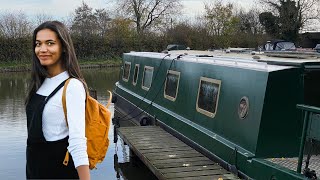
84, 63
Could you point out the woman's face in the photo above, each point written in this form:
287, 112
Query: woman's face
48, 49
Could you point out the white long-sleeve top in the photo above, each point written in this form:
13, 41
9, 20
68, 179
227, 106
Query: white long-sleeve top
54, 125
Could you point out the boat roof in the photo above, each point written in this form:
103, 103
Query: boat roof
237, 57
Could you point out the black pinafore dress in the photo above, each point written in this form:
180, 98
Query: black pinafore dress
45, 158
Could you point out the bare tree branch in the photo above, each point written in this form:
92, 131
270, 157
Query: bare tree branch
147, 13
14, 25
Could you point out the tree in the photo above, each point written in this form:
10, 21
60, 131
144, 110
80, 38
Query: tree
270, 23
102, 21
309, 9
15, 41
193, 35
221, 23
41, 18
180, 34
148, 13
290, 19
249, 22
120, 37
14, 25
218, 17
290, 15
84, 21
90, 27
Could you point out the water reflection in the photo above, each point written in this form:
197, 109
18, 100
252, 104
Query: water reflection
13, 131
130, 167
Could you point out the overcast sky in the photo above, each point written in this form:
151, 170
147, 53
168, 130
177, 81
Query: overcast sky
63, 8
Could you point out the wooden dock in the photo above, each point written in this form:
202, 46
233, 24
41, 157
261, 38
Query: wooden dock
168, 157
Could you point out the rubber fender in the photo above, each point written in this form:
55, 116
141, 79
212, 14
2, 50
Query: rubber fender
114, 99
145, 121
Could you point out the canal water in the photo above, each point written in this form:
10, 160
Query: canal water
13, 130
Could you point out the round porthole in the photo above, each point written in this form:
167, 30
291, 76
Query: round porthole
243, 108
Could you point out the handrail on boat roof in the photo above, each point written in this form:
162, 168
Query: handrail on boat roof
306, 110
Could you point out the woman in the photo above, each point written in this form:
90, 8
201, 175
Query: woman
49, 137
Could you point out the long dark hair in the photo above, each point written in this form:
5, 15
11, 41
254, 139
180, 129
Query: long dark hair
69, 58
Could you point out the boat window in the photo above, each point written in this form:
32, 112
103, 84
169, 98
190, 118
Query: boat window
208, 96
126, 71
147, 77
172, 85
135, 74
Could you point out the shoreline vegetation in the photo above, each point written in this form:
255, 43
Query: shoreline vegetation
101, 34
84, 64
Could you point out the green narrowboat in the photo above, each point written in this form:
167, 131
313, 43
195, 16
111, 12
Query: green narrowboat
254, 113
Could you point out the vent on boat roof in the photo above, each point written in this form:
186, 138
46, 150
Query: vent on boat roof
204, 55
292, 54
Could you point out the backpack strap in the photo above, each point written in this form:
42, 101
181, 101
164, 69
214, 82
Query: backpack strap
64, 104
54, 91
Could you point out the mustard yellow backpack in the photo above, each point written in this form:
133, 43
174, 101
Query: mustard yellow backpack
97, 123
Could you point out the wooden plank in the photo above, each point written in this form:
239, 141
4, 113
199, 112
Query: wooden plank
190, 168
153, 133
175, 152
186, 164
214, 177
143, 130
158, 146
181, 160
210, 172
142, 141
167, 149
169, 139
168, 157
133, 128
163, 145
158, 139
